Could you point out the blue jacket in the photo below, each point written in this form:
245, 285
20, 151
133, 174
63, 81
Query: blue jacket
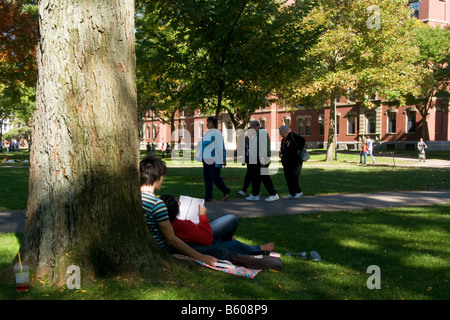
212, 141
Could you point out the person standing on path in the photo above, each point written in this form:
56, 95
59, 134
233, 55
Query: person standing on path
369, 144
421, 146
247, 178
259, 158
291, 146
213, 158
363, 152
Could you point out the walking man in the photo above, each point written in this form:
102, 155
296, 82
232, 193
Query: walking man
213, 157
259, 158
291, 146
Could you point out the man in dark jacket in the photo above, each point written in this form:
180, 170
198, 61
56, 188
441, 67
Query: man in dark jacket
259, 159
291, 146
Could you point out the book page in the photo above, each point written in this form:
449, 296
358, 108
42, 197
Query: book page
224, 264
189, 208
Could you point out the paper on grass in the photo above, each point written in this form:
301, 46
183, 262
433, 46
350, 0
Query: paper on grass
189, 208
224, 264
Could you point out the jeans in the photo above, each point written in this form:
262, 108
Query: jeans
224, 227
371, 155
361, 155
211, 175
224, 246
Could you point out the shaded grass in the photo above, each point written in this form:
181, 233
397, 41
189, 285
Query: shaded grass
410, 245
13, 188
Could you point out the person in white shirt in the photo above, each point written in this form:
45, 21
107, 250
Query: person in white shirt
369, 144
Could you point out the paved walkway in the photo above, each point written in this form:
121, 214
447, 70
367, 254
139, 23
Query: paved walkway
14, 220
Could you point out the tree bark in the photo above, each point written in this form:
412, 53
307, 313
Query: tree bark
84, 204
331, 131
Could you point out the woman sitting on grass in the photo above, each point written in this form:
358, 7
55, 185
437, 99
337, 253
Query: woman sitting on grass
215, 239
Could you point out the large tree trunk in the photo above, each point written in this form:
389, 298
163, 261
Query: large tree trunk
84, 198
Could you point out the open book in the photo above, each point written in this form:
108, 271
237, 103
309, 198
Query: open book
189, 208
224, 264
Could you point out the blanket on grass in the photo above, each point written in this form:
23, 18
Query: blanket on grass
234, 270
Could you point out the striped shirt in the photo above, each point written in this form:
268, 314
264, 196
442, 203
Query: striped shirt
155, 211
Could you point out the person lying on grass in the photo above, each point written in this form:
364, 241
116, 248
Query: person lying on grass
215, 238
152, 170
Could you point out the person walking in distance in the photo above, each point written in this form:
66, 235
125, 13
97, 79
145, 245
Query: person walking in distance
369, 144
213, 158
291, 146
421, 146
259, 158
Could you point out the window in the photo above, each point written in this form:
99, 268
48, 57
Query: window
321, 126
200, 129
287, 121
149, 132
439, 121
392, 122
411, 125
304, 126
351, 124
338, 125
307, 126
371, 123
229, 132
415, 7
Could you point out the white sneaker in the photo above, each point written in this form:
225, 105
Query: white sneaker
242, 193
252, 198
272, 198
298, 195
289, 197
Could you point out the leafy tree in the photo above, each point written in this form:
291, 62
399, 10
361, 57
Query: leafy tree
433, 65
364, 49
84, 205
18, 40
232, 54
160, 69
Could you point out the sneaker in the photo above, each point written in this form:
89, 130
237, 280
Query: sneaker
298, 195
289, 197
241, 193
272, 198
314, 256
252, 198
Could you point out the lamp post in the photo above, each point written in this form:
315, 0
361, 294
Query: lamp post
335, 131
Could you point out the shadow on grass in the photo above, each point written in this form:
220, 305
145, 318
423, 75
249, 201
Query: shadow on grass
410, 245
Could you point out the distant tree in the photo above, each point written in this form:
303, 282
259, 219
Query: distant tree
230, 54
18, 41
433, 65
364, 49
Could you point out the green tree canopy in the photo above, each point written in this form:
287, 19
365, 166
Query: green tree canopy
224, 55
365, 49
433, 65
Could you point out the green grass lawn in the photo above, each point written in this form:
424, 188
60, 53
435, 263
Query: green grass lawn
410, 246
